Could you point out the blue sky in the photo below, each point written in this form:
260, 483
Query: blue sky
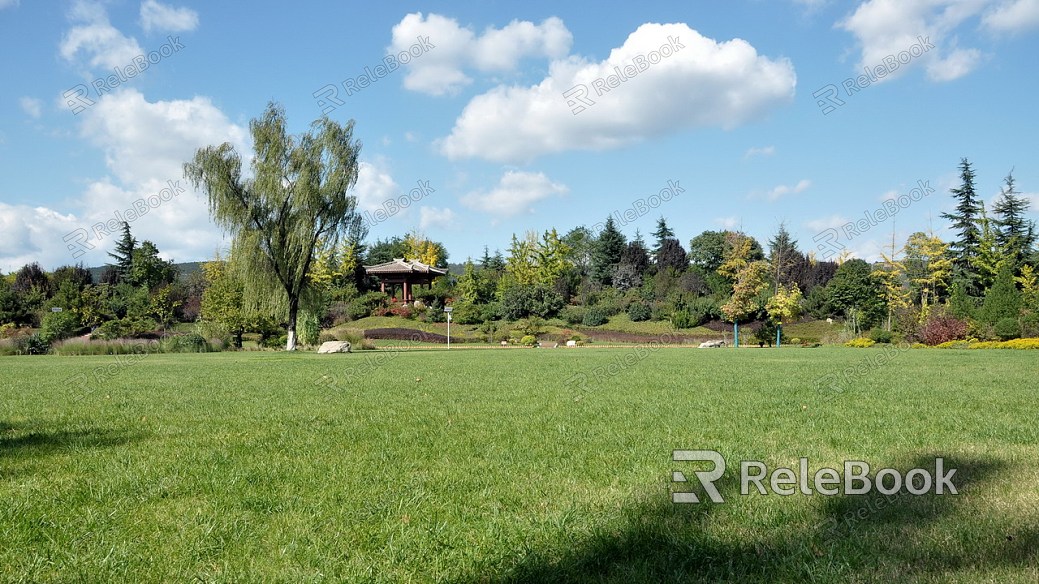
486, 114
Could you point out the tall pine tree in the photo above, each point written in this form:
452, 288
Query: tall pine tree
964, 220
123, 254
783, 255
606, 253
661, 234
1016, 234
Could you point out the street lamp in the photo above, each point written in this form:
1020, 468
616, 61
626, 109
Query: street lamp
448, 309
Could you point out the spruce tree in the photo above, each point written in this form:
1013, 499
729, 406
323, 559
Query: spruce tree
1016, 233
965, 222
783, 255
661, 234
606, 253
123, 254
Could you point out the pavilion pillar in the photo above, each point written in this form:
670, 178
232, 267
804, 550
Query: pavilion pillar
406, 295
382, 287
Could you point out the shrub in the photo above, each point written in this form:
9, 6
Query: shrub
1007, 328
308, 328
766, 334
595, 316
532, 326
218, 336
33, 344
528, 340
59, 325
1021, 344
366, 304
639, 311
490, 311
401, 310
109, 330
573, 314
880, 335
189, 343
682, 319
466, 313
941, 326
273, 342
702, 310
356, 310
338, 312
520, 301
860, 343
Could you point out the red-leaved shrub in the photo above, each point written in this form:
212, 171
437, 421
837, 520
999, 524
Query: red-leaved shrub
941, 327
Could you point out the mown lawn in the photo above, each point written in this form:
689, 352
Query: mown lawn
488, 466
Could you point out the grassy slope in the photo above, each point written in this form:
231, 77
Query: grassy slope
480, 466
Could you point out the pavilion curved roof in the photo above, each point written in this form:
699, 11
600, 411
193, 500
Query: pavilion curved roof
403, 266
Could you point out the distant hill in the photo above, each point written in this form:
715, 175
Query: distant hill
183, 270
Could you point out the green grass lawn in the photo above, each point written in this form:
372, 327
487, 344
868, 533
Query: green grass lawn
488, 466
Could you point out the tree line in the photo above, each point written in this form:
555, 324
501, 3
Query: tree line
298, 248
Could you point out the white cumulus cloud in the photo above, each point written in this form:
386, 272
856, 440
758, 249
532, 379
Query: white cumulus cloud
158, 16
515, 193
703, 83
456, 49
885, 28
436, 217
1013, 16
93, 36
145, 146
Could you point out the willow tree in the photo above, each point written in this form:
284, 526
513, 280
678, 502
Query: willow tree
297, 196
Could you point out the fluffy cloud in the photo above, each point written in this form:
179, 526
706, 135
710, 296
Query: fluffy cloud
783, 190
515, 193
441, 70
435, 217
729, 223
887, 27
158, 16
1013, 16
94, 36
703, 83
374, 187
145, 145
31, 106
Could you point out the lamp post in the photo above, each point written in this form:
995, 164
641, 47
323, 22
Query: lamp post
448, 309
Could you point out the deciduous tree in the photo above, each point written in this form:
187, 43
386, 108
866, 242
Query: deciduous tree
299, 195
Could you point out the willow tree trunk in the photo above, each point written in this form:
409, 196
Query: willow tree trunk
290, 344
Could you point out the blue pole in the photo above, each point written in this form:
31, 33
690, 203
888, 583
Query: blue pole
779, 333
736, 334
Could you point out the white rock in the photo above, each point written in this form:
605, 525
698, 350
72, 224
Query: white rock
712, 344
334, 347
571, 343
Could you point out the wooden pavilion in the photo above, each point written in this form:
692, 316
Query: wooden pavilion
404, 273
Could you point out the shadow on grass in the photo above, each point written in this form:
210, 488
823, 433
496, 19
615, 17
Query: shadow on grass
17, 443
656, 541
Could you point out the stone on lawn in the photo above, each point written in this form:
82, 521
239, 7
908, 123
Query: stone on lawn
334, 347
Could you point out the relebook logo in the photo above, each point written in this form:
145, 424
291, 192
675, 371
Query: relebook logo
826, 481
